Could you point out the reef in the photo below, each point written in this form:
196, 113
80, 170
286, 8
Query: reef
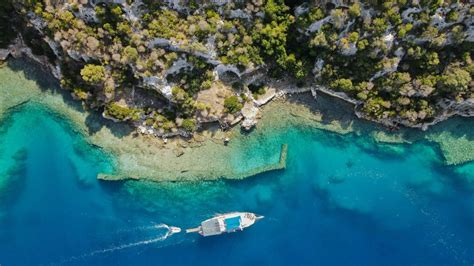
205, 174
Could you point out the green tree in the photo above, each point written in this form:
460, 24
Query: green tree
93, 74
362, 44
319, 40
315, 14
380, 25
403, 29
275, 10
455, 79
339, 17
189, 125
354, 37
342, 85
116, 11
295, 66
232, 104
120, 112
272, 33
354, 10
393, 15
432, 59
452, 16
130, 53
124, 28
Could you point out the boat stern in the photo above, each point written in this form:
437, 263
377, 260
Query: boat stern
174, 229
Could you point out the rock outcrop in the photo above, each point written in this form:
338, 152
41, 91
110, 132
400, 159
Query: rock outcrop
250, 113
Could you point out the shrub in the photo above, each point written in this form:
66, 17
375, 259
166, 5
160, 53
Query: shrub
342, 85
130, 53
168, 125
257, 90
455, 79
80, 93
452, 16
354, 10
93, 74
232, 104
354, 37
188, 125
121, 112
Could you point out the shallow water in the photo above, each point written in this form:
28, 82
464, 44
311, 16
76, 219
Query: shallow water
343, 200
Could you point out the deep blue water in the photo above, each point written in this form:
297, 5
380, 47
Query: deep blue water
343, 200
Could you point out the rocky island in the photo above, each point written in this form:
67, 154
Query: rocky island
172, 67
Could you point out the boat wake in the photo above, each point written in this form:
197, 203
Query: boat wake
130, 245
168, 231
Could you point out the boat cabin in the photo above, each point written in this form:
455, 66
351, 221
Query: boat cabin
217, 226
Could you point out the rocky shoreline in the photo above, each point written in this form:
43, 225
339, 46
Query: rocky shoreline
204, 156
250, 113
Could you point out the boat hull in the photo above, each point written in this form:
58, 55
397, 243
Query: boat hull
226, 223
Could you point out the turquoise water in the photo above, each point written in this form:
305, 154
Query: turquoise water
343, 200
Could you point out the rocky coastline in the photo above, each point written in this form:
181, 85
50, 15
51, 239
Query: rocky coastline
250, 111
204, 157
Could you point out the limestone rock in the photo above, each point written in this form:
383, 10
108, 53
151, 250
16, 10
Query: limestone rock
4, 53
250, 113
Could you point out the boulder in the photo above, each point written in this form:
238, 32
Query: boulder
250, 113
4, 53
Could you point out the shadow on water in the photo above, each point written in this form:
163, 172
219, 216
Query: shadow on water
82, 182
47, 83
14, 180
383, 151
32, 71
460, 127
333, 109
113, 187
459, 181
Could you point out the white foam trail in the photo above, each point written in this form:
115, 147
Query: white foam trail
139, 243
130, 245
135, 229
125, 246
158, 226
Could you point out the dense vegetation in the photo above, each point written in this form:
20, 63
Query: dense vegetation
398, 58
397, 68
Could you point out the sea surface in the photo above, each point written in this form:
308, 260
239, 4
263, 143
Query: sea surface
343, 200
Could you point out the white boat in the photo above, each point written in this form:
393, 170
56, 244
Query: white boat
225, 223
174, 229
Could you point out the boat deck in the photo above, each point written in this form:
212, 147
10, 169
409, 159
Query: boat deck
212, 227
